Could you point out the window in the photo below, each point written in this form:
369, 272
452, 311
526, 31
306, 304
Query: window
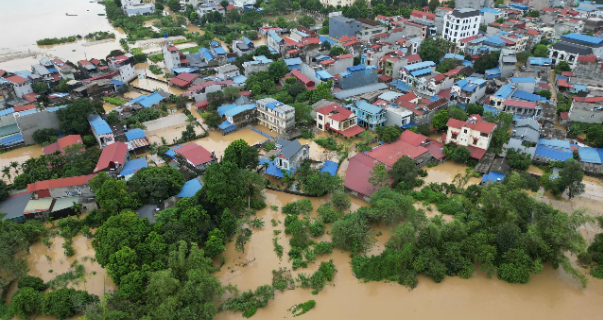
454, 136
320, 117
475, 141
465, 131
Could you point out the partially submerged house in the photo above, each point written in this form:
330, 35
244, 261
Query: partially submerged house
289, 157
101, 130
192, 156
475, 134
63, 143
357, 184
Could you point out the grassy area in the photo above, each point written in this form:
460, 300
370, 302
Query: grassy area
191, 49
155, 69
114, 101
156, 57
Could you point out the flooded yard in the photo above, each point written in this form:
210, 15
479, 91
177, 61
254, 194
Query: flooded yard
18, 155
153, 85
218, 143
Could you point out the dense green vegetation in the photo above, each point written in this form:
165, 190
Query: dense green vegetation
99, 35
51, 41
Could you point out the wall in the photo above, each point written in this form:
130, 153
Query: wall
341, 65
397, 117
339, 27
586, 116
32, 122
358, 79
255, 68
244, 119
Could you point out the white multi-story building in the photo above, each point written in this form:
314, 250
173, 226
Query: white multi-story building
171, 55
275, 115
124, 64
21, 86
474, 132
460, 24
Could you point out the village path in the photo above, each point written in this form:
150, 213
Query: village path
553, 86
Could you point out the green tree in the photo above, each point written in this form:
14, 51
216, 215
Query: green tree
340, 201
562, 66
306, 21
541, 50
113, 195
404, 172
518, 160
352, 13
242, 154
26, 301
378, 176
74, 118
39, 87
440, 120
213, 119
174, 5
65, 302
434, 50
451, 4
460, 154
156, 184
121, 263
352, 233
456, 112
474, 108
486, 61
277, 70
534, 13
32, 282
215, 243
388, 134
62, 86
545, 93
447, 64
336, 51
433, 4
317, 183
4, 191
390, 207
571, 178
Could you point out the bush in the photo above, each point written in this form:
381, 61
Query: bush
41, 136
112, 117
89, 141
323, 247
32, 282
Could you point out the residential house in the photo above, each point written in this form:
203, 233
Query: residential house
199, 92
423, 109
289, 157
507, 62
587, 112
113, 158
389, 153
228, 71
440, 14
152, 100
369, 116
338, 119
340, 26
589, 67
468, 90
357, 184
65, 70
525, 136
552, 150
275, 115
275, 41
21, 86
136, 139
419, 28
243, 46
173, 58
62, 144
527, 84
131, 167
219, 53
571, 46
475, 134
460, 24
357, 76
125, 65
302, 79
101, 130
183, 80
293, 63
238, 117
490, 15
543, 65
192, 155
300, 32
59, 188
259, 63
410, 73
132, 9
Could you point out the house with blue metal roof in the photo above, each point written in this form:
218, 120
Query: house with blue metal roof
289, 157
293, 63
132, 166
238, 116
136, 139
493, 73
369, 116
101, 130
206, 55
275, 41
552, 150
468, 90
190, 188
152, 100
493, 176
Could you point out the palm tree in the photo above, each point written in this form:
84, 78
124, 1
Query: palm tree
15, 165
6, 172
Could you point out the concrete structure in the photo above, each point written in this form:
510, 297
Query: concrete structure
357, 76
192, 156
243, 46
474, 134
21, 86
101, 130
134, 9
290, 154
460, 24
368, 30
59, 188
340, 26
238, 117
369, 116
259, 63
125, 65
586, 112
338, 119
228, 71
588, 67
173, 58
471, 4
468, 90
507, 62
389, 153
113, 158
275, 115
490, 15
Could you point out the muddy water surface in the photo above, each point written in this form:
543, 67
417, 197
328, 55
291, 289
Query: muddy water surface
152, 85
218, 143
19, 155
552, 294
445, 172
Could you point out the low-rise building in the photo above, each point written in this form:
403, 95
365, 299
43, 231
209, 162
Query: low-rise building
275, 115
552, 150
340, 26
468, 90
192, 155
389, 153
125, 65
475, 134
369, 116
338, 119
183, 80
113, 158
101, 130
259, 63
357, 184
238, 117
63, 143
586, 112
357, 76
289, 157
20, 85
60, 188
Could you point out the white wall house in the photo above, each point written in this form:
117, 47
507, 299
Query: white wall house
171, 55
460, 24
21, 86
474, 132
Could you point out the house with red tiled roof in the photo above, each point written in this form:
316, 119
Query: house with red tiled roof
183, 80
59, 188
113, 157
125, 65
63, 143
475, 134
389, 153
21, 86
195, 156
416, 14
357, 184
338, 119
303, 79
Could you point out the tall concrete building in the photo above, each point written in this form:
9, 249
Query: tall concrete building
460, 24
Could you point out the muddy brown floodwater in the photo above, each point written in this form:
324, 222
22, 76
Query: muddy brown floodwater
552, 294
19, 155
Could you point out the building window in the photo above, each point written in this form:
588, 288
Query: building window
465, 131
319, 117
483, 134
454, 136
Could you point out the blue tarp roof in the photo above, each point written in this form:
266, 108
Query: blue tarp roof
420, 72
247, 41
134, 134
150, 100
276, 172
469, 87
206, 54
99, 125
171, 153
504, 92
190, 188
330, 167
214, 43
493, 73
55, 109
222, 109
590, 40
236, 110
134, 165
367, 107
523, 95
359, 67
331, 41
539, 61
494, 41
461, 83
232, 59
117, 82
554, 149
453, 56
322, 57
408, 125
293, 61
420, 65
493, 176
589, 155
323, 75
6, 111
523, 80
12, 140
239, 80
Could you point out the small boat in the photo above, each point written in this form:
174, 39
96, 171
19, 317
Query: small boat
70, 15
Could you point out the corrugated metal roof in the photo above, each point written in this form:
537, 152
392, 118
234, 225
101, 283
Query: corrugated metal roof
59, 183
367, 107
6, 111
236, 110
330, 167
190, 188
590, 40
134, 165
523, 95
293, 61
344, 94
523, 80
99, 125
504, 92
55, 109
222, 109
589, 155
493, 176
420, 65
134, 134
115, 152
64, 203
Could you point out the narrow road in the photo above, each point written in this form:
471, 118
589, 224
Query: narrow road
553, 86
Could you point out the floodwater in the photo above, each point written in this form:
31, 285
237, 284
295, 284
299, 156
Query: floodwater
552, 294
445, 172
218, 143
151, 85
27, 21
19, 155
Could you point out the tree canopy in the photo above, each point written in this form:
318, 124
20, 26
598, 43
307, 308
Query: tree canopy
156, 184
74, 118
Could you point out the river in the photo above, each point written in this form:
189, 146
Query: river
26, 21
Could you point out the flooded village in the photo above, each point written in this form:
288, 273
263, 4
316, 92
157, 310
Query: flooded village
206, 146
